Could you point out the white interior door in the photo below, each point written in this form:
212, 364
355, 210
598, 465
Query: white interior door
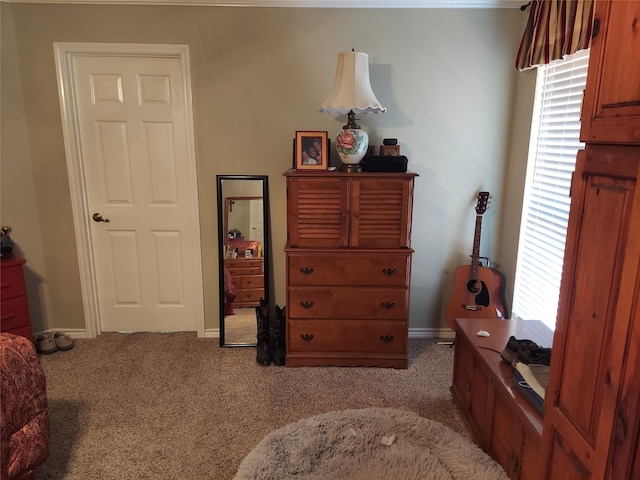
256, 220
134, 138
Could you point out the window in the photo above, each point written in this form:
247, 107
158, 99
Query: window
554, 142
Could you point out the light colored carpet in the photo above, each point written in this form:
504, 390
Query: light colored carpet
241, 327
368, 444
176, 407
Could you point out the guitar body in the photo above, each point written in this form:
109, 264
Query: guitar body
476, 298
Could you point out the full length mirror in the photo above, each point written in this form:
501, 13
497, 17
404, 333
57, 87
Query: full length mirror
243, 242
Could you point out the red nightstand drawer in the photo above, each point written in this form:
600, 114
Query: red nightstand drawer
15, 314
12, 279
23, 332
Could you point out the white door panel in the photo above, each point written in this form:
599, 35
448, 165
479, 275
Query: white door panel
138, 173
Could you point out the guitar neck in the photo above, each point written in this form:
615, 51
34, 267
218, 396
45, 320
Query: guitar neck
475, 255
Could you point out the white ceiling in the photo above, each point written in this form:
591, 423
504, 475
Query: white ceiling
305, 3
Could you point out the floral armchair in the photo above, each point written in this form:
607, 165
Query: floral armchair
24, 415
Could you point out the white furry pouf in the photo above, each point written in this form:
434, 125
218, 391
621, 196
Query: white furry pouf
368, 444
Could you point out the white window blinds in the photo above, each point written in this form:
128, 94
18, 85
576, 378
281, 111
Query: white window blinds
554, 142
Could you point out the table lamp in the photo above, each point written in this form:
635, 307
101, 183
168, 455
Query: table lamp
352, 94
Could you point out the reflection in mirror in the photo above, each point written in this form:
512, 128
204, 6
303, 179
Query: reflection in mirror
243, 243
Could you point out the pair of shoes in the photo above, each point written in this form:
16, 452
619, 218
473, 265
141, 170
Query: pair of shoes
515, 345
535, 356
271, 335
63, 341
53, 342
45, 344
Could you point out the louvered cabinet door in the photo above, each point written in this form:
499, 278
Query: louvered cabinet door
317, 212
380, 212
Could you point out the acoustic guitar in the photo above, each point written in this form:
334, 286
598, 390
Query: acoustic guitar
478, 291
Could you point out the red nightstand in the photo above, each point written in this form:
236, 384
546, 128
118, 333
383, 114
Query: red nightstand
14, 309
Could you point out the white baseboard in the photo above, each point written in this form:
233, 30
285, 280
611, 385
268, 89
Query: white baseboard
72, 332
212, 333
444, 333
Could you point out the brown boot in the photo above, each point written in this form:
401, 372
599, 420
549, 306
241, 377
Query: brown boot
263, 353
278, 340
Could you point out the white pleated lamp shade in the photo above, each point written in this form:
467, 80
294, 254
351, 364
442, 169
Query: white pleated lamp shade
352, 89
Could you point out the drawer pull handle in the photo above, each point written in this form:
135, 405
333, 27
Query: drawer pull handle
389, 272
386, 338
306, 337
249, 282
8, 317
388, 305
306, 305
306, 271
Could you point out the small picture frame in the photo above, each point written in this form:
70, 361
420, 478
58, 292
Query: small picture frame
389, 150
306, 154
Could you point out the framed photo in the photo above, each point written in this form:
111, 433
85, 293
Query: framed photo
311, 151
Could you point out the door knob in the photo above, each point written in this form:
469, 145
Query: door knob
97, 217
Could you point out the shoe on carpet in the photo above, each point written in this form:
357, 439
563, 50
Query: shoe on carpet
45, 344
63, 341
513, 346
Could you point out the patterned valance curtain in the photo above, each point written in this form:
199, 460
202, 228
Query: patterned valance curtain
555, 28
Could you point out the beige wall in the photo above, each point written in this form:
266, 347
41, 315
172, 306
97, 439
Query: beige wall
446, 77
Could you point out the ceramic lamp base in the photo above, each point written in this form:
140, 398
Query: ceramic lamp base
351, 145
347, 167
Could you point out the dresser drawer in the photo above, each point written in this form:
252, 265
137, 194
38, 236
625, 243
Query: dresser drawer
249, 295
346, 302
353, 269
12, 282
244, 263
238, 271
253, 281
346, 336
15, 313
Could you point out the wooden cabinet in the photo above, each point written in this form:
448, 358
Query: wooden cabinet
611, 107
14, 309
248, 278
595, 310
348, 261
592, 419
501, 420
348, 211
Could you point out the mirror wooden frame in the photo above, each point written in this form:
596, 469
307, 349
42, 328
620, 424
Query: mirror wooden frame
222, 241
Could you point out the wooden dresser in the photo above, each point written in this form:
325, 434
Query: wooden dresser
15, 308
248, 278
501, 420
348, 263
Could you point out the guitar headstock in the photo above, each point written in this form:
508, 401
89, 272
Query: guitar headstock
483, 200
